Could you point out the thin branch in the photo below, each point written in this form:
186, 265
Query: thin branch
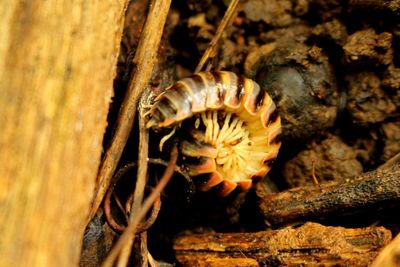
111, 192
142, 226
107, 199
142, 160
313, 176
143, 249
368, 193
390, 162
183, 173
140, 180
119, 205
144, 61
107, 212
226, 21
132, 227
152, 218
157, 204
152, 261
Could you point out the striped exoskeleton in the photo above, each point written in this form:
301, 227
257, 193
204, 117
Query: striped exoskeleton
232, 128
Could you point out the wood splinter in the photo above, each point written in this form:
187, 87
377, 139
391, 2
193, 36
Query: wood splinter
309, 245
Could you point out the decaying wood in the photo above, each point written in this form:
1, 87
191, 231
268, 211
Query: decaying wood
309, 245
390, 255
57, 65
370, 192
144, 60
376, 5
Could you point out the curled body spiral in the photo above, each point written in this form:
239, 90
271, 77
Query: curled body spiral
230, 128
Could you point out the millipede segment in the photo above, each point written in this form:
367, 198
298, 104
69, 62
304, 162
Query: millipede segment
231, 128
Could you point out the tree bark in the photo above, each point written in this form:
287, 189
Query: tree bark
309, 245
57, 64
372, 191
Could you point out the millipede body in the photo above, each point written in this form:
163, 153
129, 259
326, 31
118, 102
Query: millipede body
230, 128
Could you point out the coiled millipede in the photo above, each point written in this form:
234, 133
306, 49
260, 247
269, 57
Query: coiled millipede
231, 128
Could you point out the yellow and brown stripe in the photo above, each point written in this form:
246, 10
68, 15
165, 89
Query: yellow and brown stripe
235, 132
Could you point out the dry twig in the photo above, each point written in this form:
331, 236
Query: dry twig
140, 179
390, 162
132, 227
226, 21
370, 192
144, 61
110, 219
143, 249
157, 204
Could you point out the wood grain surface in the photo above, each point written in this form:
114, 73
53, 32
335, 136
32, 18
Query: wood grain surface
57, 64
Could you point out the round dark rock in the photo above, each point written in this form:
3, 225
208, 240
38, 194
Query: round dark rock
301, 81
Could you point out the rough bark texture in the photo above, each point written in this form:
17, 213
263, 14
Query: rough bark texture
309, 245
370, 192
57, 63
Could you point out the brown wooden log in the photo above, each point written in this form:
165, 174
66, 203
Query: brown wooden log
309, 245
371, 192
375, 5
57, 64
